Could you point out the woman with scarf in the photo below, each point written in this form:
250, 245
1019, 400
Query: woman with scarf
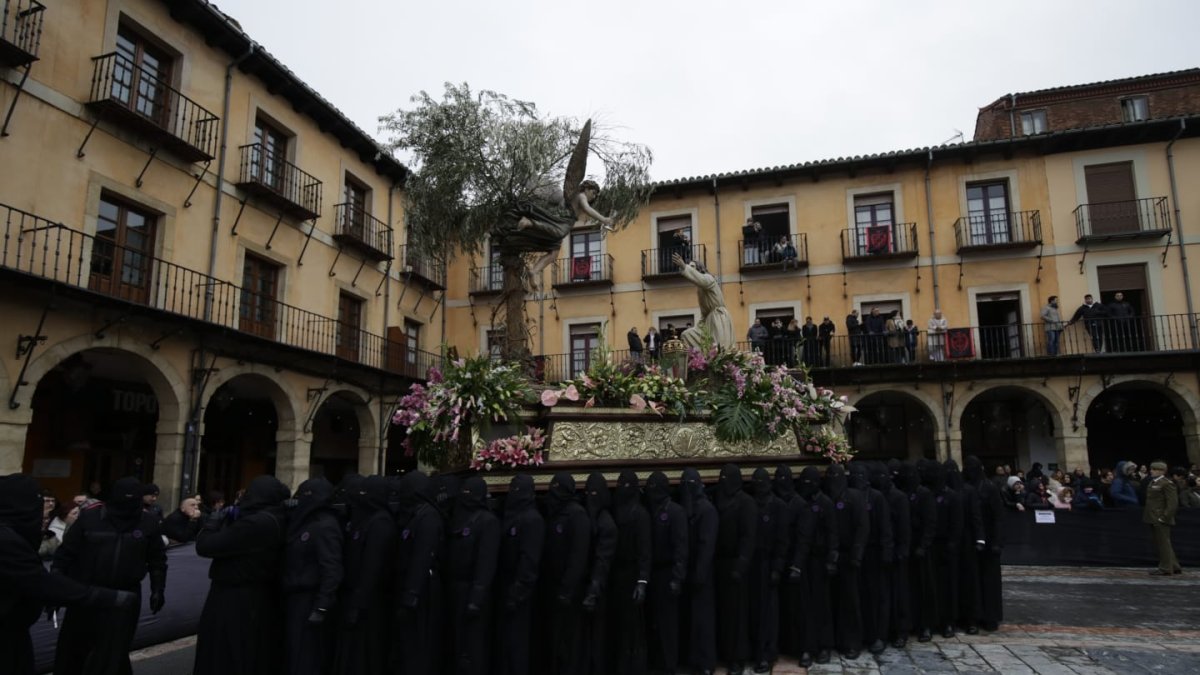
312, 572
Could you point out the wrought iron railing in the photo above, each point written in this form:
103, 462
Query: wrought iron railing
35, 246
768, 252
487, 279
21, 27
868, 242
583, 269
121, 85
270, 173
353, 221
1133, 218
425, 267
998, 230
658, 262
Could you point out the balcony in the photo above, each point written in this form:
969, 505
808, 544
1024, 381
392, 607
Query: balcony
583, 271
487, 280
1009, 230
363, 232
766, 254
20, 32
36, 248
423, 269
879, 242
657, 263
131, 97
1148, 218
280, 183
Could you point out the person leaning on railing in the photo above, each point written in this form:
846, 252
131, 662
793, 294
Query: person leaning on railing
1052, 321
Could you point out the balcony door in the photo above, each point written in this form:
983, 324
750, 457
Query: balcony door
586, 262
140, 77
584, 341
874, 224
122, 252
356, 211
987, 213
260, 282
349, 330
269, 164
999, 325
1112, 205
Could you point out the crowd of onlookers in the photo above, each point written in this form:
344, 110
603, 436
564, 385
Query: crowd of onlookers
1121, 487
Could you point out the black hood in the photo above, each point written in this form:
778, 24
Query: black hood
313, 496
658, 490
730, 483
561, 492
760, 486
810, 482
628, 495
881, 476
369, 498
21, 507
520, 495
973, 470
691, 490
784, 485
954, 477
472, 496
416, 488
341, 494
933, 474
445, 493
264, 492
908, 478
596, 494
835, 482
123, 508
860, 478
151, 489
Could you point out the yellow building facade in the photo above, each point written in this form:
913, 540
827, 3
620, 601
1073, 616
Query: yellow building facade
203, 259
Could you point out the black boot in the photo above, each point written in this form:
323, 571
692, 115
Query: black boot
972, 630
823, 656
877, 647
851, 654
924, 635
762, 667
806, 660
948, 631
900, 643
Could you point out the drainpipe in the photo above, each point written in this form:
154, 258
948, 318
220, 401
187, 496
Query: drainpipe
387, 345
929, 218
1012, 115
1187, 281
717, 212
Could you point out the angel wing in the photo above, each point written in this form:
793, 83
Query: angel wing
577, 166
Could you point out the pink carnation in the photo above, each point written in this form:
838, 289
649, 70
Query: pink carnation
637, 402
550, 397
571, 394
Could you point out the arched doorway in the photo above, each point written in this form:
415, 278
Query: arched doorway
95, 418
1012, 426
240, 424
889, 425
398, 459
1138, 422
337, 433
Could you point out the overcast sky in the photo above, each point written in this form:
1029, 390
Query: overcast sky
725, 86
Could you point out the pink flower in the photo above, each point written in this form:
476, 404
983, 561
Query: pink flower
571, 394
587, 381
550, 397
657, 408
590, 402
637, 402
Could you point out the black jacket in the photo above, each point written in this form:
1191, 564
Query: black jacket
179, 528
95, 551
313, 558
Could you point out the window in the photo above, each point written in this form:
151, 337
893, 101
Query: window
495, 343
268, 162
1033, 122
1135, 108
671, 326
585, 338
495, 272
674, 236
412, 340
122, 252
987, 213
260, 279
349, 326
766, 225
586, 260
141, 76
874, 221
356, 208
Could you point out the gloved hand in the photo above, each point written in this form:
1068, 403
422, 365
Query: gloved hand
157, 601
831, 563
980, 545
472, 609
639, 593
352, 616
775, 577
316, 617
674, 587
795, 575
126, 600
589, 602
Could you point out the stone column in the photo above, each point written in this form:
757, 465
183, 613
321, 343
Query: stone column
12, 445
955, 450
293, 453
168, 464
1072, 451
368, 456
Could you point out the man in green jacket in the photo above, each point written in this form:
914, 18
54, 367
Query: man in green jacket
1162, 501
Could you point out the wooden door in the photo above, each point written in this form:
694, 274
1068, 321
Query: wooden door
1112, 198
349, 326
258, 303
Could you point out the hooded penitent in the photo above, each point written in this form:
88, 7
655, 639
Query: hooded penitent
124, 504
264, 492
760, 483
835, 482
472, 497
658, 490
312, 496
691, 490
520, 496
954, 477
21, 507
973, 470
341, 494
627, 497
810, 482
880, 477
907, 477
561, 492
859, 477
728, 485
784, 485
597, 497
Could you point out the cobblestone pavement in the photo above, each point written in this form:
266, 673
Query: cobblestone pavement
1060, 621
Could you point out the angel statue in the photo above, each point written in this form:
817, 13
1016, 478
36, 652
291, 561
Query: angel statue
714, 317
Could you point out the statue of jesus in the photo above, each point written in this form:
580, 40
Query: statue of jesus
713, 315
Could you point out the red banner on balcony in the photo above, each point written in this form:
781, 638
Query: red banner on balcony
581, 268
879, 239
959, 343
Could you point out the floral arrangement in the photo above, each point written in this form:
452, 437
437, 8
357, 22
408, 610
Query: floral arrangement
512, 452
827, 443
630, 384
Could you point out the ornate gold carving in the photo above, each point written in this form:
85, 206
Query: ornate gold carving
588, 440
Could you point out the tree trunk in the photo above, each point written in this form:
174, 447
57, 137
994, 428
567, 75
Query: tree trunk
516, 333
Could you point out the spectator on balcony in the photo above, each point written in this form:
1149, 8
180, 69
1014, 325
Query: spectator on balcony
1038, 497
1052, 324
936, 336
1063, 499
825, 338
758, 335
876, 336
683, 245
1093, 315
778, 348
1014, 494
897, 338
1122, 325
911, 333
653, 343
669, 333
753, 247
1189, 498
854, 329
635, 345
809, 338
1124, 486
1087, 497
785, 252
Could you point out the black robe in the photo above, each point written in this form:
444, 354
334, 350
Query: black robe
417, 585
240, 631
26, 588
816, 550
112, 545
630, 569
947, 539
698, 613
521, 539
363, 640
312, 572
563, 581
472, 546
736, 537
603, 547
991, 512
854, 529
877, 560
668, 573
971, 541
922, 586
899, 619
766, 569
790, 598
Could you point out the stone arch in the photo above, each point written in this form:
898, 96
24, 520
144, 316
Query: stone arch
1185, 402
360, 403
367, 421
287, 407
1060, 410
925, 395
1029, 445
878, 443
